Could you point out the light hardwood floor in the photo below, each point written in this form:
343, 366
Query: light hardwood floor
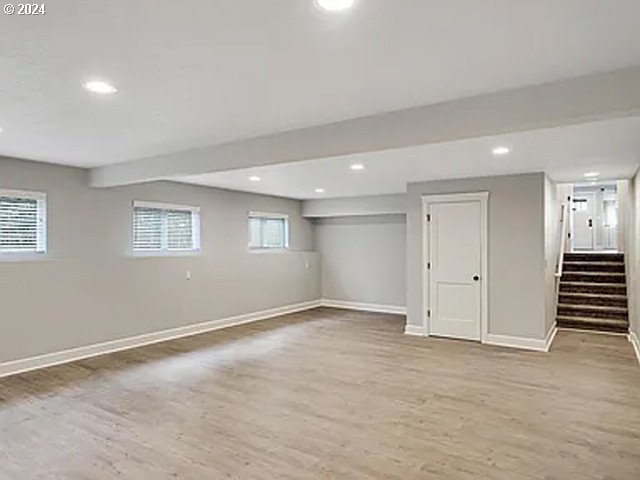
329, 394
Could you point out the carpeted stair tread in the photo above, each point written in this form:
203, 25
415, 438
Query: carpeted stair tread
594, 277
604, 267
595, 288
594, 257
593, 311
588, 323
582, 298
593, 293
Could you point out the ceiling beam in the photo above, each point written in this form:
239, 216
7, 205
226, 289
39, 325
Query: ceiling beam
572, 101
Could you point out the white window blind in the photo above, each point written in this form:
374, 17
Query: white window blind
268, 231
170, 228
23, 222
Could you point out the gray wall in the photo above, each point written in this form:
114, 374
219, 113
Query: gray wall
632, 253
363, 258
90, 289
625, 213
516, 250
551, 233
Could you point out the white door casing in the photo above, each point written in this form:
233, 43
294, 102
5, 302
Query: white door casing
455, 271
582, 208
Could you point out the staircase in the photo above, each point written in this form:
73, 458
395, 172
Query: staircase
593, 293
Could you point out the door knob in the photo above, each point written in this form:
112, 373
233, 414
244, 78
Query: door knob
476, 278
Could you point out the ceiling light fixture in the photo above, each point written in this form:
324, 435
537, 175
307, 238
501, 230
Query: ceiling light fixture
357, 167
100, 87
335, 5
591, 174
501, 150
254, 178
319, 190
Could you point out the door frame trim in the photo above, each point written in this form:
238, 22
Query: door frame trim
594, 247
483, 198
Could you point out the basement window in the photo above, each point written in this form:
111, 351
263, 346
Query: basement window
162, 228
23, 222
268, 231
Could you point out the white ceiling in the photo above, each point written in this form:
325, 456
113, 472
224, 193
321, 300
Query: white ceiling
610, 147
210, 71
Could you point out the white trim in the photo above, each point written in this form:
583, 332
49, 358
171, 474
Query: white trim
164, 251
261, 250
633, 338
41, 229
268, 216
516, 342
483, 198
364, 307
415, 330
524, 343
27, 194
276, 216
594, 332
165, 206
551, 336
74, 354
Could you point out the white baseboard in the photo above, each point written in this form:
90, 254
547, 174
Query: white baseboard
633, 338
551, 336
593, 332
516, 342
364, 307
415, 330
74, 354
525, 343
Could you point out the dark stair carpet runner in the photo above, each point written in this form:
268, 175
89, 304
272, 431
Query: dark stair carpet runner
593, 293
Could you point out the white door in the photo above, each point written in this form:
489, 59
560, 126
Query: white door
455, 257
583, 221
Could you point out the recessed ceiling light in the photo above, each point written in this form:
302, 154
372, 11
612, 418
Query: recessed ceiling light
591, 174
501, 150
254, 178
319, 190
100, 87
357, 166
335, 5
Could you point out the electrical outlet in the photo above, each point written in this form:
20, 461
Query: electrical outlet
188, 274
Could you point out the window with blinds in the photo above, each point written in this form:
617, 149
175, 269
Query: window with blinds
23, 222
165, 228
268, 231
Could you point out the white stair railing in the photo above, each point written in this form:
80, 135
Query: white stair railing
564, 230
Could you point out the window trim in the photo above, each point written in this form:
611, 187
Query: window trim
165, 252
41, 240
269, 216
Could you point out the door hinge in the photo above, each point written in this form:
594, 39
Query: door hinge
428, 217
428, 265
429, 313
